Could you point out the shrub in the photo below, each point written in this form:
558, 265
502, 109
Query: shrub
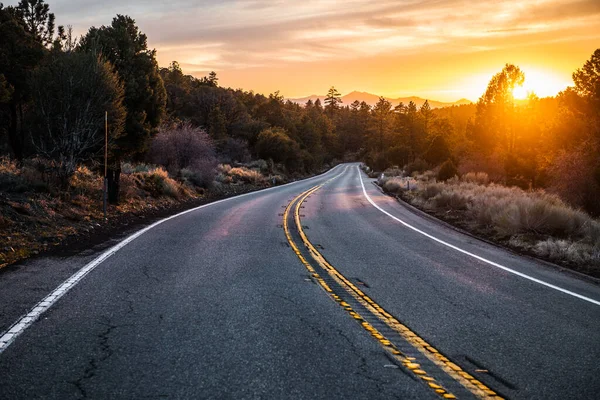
451, 199
235, 150
130, 187
573, 178
560, 249
392, 185
85, 182
10, 179
394, 171
245, 175
528, 219
276, 179
447, 170
274, 143
416, 166
480, 178
158, 183
260, 165
223, 168
431, 190
181, 147
35, 175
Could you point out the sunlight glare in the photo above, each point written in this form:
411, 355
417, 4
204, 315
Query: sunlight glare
541, 82
520, 93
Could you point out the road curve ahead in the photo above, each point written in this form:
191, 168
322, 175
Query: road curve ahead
324, 288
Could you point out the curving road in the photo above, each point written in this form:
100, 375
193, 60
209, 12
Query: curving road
323, 288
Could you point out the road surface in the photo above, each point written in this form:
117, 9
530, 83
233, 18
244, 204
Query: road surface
323, 288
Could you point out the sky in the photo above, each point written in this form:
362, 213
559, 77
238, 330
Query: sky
439, 49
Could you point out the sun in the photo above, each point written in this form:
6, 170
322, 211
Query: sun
520, 93
540, 82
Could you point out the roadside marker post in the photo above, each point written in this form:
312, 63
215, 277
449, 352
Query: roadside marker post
105, 187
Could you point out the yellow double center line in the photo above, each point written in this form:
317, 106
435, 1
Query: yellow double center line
477, 388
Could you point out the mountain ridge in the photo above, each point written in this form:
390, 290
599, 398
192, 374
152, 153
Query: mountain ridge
371, 99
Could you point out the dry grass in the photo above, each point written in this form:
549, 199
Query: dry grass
36, 213
481, 178
240, 175
157, 182
561, 249
560, 232
247, 175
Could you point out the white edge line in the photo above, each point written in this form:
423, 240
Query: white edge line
485, 260
8, 337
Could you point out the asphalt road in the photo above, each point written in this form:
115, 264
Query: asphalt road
216, 303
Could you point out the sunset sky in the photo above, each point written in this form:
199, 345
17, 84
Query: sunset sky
443, 50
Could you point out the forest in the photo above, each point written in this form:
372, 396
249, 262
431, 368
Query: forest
56, 89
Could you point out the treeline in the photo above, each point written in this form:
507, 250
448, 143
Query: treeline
55, 90
551, 143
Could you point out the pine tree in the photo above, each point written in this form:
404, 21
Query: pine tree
39, 20
332, 101
381, 115
20, 54
217, 125
126, 48
427, 116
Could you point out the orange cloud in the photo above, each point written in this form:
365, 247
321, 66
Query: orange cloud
443, 49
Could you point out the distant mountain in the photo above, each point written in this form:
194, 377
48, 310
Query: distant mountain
372, 99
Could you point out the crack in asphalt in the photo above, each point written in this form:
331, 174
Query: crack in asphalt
103, 346
147, 274
105, 352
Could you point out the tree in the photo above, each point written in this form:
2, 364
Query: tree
587, 78
20, 54
39, 21
427, 116
437, 152
145, 97
494, 121
576, 165
275, 144
217, 125
6, 90
381, 114
211, 80
332, 101
318, 105
72, 92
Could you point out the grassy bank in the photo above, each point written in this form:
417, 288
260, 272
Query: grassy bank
39, 214
534, 222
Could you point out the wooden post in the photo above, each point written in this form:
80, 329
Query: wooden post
105, 189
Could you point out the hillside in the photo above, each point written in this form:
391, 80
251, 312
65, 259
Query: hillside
372, 99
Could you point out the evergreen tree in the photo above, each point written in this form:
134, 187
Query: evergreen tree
145, 97
318, 105
39, 21
217, 125
427, 117
20, 54
72, 92
332, 101
381, 114
6, 90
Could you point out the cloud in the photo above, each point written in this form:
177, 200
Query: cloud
229, 34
